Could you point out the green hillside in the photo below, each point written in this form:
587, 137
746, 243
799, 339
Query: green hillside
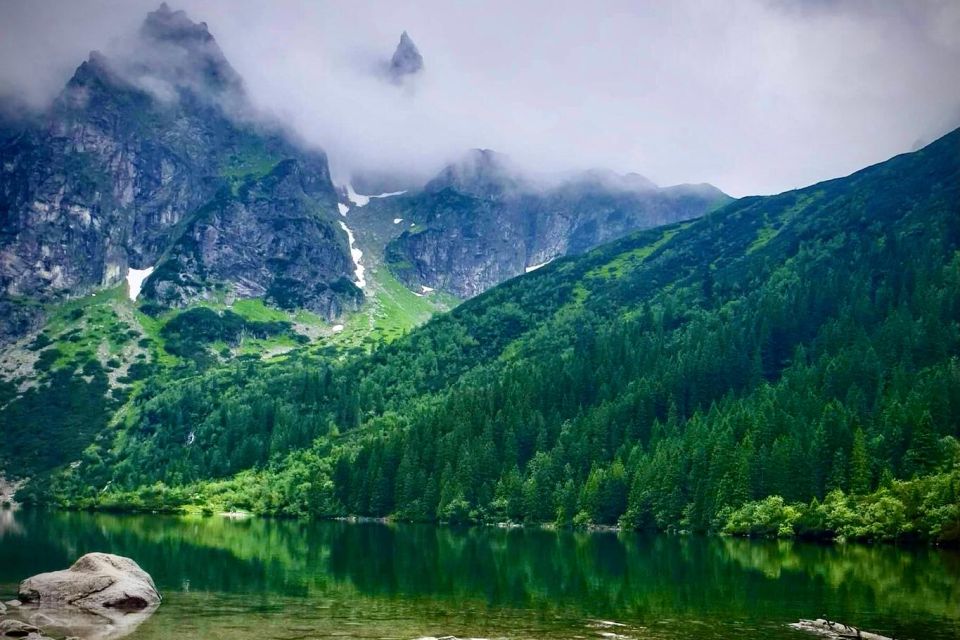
803, 346
98, 356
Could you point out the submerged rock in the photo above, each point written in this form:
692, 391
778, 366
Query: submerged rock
95, 582
837, 630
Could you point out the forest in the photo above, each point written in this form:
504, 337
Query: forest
784, 366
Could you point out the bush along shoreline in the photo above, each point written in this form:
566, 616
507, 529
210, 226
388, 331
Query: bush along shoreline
922, 510
925, 509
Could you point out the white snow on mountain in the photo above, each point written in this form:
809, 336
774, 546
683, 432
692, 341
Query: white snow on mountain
356, 254
135, 278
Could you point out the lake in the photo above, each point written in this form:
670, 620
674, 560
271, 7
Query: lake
257, 578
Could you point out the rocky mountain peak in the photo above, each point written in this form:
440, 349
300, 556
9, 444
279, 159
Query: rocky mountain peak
406, 59
481, 172
173, 48
174, 26
95, 67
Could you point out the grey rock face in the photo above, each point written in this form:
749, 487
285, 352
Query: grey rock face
273, 239
479, 222
406, 59
96, 581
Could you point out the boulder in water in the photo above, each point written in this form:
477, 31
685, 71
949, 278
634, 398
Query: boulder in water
95, 582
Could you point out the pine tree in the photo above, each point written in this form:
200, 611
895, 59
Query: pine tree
860, 476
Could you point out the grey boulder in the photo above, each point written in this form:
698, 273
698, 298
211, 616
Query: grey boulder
96, 582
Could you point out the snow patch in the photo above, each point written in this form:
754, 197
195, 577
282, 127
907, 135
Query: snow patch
397, 220
362, 201
356, 198
537, 266
424, 290
337, 328
135, 278
343, 208
356, 254
389, 194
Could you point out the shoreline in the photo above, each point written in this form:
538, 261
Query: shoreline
240, 515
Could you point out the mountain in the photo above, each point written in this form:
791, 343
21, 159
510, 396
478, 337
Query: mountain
136, 165
481, 221
783, 365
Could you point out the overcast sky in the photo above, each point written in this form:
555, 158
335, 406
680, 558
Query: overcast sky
754, 96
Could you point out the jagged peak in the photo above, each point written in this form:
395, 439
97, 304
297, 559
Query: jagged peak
95, 71
406, 59
175, 26
182, 51
171, 56
95, 65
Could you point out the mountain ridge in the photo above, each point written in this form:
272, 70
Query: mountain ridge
480, 221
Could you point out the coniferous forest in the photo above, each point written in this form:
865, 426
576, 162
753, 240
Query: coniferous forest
784, 366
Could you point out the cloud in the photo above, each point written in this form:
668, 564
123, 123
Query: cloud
755, 96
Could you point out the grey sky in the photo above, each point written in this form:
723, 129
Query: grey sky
755, 96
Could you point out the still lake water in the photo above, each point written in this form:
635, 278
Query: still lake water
287, 580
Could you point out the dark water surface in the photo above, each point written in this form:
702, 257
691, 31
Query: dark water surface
256, 578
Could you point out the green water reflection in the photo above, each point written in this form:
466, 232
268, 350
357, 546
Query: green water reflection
280, 579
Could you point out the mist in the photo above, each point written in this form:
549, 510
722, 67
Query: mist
753, 96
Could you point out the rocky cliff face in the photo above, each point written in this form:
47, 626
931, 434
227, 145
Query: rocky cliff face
134, 145
273, 239
480, 222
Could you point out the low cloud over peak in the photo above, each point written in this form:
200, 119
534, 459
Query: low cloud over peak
754, 96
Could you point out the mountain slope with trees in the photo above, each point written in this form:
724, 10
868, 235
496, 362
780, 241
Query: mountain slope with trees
803, 345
